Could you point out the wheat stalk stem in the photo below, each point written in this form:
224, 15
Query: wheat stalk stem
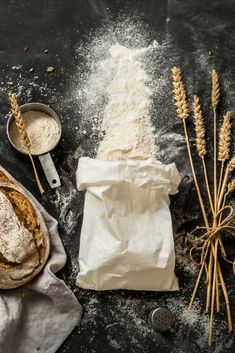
224, 289
213, 293
214, 102
225, 293
215, 164
221, 177
198, 278
217, 292
207, 185
194, 176
209, 282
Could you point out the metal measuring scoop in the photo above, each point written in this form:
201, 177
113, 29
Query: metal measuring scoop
45, 158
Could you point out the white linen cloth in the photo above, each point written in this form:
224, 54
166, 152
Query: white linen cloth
126, 239
39, 316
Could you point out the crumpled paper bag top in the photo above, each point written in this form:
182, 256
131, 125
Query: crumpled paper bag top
143, 174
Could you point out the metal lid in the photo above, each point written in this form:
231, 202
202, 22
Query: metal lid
161, 319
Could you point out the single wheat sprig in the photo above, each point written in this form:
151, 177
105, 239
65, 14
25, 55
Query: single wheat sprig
183, 113
24, 136
179, 94
20, 122
199, 127
201, 142
225, 138
224, 145
215, 92
231, 186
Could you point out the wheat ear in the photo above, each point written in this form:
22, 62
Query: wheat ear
199, 128
201, 142
179, 94
215, 92
224, 144
225, 138
24, 136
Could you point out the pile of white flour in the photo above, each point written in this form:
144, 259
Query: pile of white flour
126, 122
42, 129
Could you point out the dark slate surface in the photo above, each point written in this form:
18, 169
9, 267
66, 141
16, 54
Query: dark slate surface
117, 321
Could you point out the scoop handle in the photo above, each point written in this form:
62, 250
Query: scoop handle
50, 170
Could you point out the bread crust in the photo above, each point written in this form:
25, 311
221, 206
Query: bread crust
15, 275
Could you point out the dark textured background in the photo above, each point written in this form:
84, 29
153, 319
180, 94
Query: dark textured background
117, 321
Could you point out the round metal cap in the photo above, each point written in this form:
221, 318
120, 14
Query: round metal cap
161, 319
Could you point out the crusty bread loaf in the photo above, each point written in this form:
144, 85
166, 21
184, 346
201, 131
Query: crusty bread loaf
12, 274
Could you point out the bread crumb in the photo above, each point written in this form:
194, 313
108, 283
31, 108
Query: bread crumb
50, 69
16, 67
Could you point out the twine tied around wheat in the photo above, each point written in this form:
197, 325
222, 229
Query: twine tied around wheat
207, 241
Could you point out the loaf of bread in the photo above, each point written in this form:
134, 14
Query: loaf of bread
24, 242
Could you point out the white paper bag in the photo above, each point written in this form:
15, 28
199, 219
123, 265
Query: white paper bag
126, 239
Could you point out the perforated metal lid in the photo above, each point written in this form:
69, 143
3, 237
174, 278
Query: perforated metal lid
161, 319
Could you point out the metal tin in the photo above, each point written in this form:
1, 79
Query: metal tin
40, 108
45, 158
162, 319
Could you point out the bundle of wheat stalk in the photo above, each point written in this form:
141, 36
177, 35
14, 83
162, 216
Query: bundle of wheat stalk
207, 240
